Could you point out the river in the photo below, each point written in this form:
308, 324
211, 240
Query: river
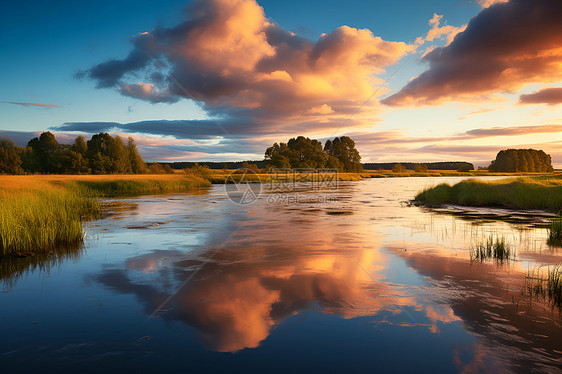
346, 278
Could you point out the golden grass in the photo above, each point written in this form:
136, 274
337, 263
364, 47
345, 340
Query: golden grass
42, 212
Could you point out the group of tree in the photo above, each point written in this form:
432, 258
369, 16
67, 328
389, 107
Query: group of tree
102, 154
522, 160
302, 152
444, 165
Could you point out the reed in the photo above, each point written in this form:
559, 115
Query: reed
555, 233
495, 248
41, 213
519, 193
547, 288
42, 220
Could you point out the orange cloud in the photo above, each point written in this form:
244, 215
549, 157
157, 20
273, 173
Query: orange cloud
229, 56
501, 50
487, 3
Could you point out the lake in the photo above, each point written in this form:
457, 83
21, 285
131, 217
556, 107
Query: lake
346, 278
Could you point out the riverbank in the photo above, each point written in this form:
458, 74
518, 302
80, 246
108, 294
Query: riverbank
40, 213
527, 193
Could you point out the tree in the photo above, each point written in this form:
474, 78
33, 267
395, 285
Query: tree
522, 160
80, 145
42, 148
250, 166
420, 168
302, 152
10, 161
138, 165
398, 168
343, 148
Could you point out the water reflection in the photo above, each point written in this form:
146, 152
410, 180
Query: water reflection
237, 296
15, 267
492, 305
393, 284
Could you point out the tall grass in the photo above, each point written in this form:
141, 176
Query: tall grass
555, 233
43, 213
495, 248
123, 187
520, 193
548, 288
35, 221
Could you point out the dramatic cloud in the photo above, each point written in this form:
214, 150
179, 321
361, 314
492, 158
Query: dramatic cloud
32, 104
551, 96
241, 66
503, 48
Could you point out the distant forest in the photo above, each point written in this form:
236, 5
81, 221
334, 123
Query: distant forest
451, 165
522, 160
102, 154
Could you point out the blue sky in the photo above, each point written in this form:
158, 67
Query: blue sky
46, 44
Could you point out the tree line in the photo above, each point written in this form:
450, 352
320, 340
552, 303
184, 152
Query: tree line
446, 165
102, 154
306, 153
522, 160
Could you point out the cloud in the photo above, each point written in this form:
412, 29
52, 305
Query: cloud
48, 106
514, 131
488, 3
551, 96
503, 48
228, 56
437, 31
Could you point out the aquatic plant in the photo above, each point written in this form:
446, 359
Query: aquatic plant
519, 193
495, 248
555, 233
547, 288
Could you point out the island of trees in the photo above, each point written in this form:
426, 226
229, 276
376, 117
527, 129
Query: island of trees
302, 152
522, 160
102, 154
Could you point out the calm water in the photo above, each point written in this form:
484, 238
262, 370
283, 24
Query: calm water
349, 279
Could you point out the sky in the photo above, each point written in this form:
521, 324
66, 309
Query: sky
221, 80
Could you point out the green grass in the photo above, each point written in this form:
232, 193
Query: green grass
555, 233
36, 221
549, 288
495, 248
521, 193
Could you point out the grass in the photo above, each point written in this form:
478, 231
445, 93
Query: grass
543, 193
495, 248
549, 288
43, 220
555, 233
39, 214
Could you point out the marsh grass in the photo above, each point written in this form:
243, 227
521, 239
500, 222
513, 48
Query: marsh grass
123, 187
555, 233
547, 288
520, 193
38, 221
492, 247
39, 214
